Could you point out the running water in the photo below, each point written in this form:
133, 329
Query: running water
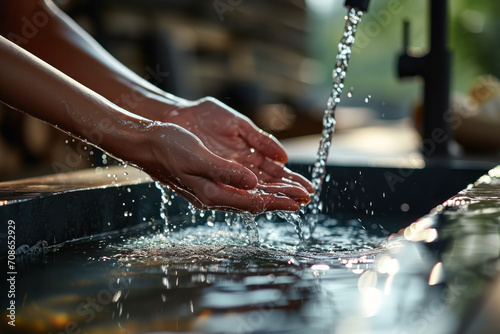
251, 227
338, 76
237, 221
165, 198
319, 171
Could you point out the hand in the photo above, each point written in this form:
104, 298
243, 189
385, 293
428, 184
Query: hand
179, 159
166, 151
234, 137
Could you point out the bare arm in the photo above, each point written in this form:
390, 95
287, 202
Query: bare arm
34, 87
167, 152
66, 46
41, 28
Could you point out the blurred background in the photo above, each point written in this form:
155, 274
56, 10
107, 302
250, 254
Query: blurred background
271, 60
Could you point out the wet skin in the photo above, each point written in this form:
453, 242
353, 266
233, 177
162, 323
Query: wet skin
209, 153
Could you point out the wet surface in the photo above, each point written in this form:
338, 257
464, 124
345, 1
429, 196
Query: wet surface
99, 177
200, 278
430, 278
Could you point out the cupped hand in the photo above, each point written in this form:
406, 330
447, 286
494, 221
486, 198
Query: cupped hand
179, 159
234, 137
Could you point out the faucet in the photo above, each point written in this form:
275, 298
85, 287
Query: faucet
434, 68
358, 4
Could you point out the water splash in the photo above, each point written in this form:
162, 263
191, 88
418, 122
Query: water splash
165, 200
247, 220
338, 77
251, 227
296, 220
237, 222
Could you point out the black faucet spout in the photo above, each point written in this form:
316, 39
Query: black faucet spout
410, 66
361, 5
434, 68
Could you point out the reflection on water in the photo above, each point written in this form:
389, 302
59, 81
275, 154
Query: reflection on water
208, 278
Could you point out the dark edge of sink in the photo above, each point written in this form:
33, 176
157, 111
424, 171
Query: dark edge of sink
87, 209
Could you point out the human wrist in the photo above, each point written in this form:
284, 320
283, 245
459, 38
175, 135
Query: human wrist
117, 132
153, 105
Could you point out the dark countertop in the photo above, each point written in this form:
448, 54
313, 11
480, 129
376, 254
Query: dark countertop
99, 177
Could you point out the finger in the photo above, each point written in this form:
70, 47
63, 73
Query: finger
226, 172
279, 172
222, 197
297, 193
265, 179
263, 142
282, 175
178, 188
261, 175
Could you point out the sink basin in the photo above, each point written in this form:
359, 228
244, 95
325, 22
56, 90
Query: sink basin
108, 264
72, 205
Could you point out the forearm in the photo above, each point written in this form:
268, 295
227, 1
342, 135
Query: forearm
34, 87
67, 47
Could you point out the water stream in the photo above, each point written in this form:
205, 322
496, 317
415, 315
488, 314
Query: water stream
319, 171
338, 77
310, 216
211, 271
210, 279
